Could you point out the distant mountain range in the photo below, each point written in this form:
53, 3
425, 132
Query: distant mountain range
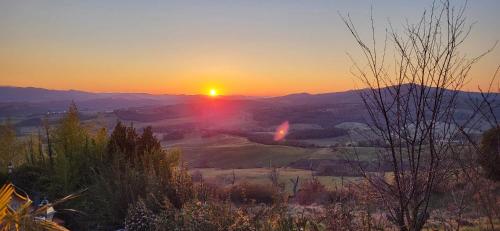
352, 96
22, 101
37, 95
18, 101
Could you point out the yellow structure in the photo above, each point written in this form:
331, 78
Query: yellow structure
16, 212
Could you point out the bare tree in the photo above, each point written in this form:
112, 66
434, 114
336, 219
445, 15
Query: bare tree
233, 178
295, 185
411, 101
274, 176
484, 115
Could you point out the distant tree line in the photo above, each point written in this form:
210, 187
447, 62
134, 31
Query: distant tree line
324, 115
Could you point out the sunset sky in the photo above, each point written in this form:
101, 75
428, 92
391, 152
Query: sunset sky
252, 47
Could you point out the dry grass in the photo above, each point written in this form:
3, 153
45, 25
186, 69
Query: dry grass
260, 176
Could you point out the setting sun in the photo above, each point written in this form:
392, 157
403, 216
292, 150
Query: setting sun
213, 92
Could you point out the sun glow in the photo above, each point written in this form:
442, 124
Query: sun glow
213, 92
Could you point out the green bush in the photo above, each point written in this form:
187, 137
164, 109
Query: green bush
32, 179
139, 218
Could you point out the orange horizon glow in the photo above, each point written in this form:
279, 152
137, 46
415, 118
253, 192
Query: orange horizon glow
259, 89
235, 90
269, 48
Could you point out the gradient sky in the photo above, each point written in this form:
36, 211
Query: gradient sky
253, 47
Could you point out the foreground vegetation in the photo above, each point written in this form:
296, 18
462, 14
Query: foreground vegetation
133, 183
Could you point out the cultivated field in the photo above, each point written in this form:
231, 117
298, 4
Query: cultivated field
228, 152
261, 176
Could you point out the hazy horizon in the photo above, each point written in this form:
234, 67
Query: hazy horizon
207, 93
166, 93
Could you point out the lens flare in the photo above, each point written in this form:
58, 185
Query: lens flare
281, 131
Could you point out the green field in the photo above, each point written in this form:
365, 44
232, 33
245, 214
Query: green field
228, 152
